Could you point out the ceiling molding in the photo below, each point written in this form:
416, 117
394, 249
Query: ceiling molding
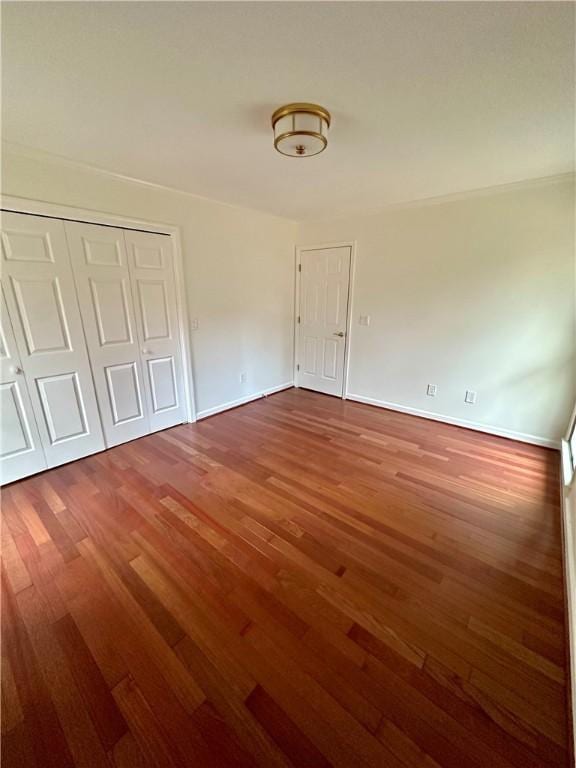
21, 150
539, 181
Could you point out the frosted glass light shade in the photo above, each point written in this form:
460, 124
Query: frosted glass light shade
301, 130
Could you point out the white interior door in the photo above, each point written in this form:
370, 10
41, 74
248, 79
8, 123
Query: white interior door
151, 263
21, 452
324, 288
42, 305
100, 266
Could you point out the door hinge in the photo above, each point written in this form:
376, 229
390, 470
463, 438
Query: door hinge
298, 318
297, 366
299, 267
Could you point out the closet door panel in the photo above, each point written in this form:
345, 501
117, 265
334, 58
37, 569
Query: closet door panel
21, 452
42, 305
103, 283
151, 263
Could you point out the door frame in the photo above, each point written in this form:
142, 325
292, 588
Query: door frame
72, 213
297, 277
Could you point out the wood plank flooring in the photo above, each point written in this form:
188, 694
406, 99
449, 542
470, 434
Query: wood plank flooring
298, 582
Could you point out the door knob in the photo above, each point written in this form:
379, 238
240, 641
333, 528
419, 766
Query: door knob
338, 333
16, 370
147, 351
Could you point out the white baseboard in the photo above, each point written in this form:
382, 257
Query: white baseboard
242, 400
520, 436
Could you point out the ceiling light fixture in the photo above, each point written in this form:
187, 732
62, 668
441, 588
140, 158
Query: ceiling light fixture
301, 130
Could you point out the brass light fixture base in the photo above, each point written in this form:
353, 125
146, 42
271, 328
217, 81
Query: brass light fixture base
301, 106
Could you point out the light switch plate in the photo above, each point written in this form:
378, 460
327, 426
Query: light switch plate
194, 324
364, 320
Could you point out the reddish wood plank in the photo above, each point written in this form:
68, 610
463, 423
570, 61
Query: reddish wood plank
299, 582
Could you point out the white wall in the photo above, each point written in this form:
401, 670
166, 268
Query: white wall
239, 269
475, 293
472, 293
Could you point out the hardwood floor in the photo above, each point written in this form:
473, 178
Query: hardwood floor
298, 582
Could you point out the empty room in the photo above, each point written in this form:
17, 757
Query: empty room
288, 384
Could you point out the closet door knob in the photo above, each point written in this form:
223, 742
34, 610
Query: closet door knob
16, 370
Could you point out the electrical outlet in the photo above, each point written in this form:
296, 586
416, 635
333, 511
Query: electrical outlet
194, 324
243, 378
470, 397
431, 390
364, 320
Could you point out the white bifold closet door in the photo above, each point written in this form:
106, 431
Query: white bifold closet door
43, 309
103, 283
21, 451
151, 263
125, 283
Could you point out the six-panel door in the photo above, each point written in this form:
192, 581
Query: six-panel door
151, 263
21, 451
42, 304
104, 289
324, 282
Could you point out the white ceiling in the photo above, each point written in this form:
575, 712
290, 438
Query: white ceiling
428, 99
